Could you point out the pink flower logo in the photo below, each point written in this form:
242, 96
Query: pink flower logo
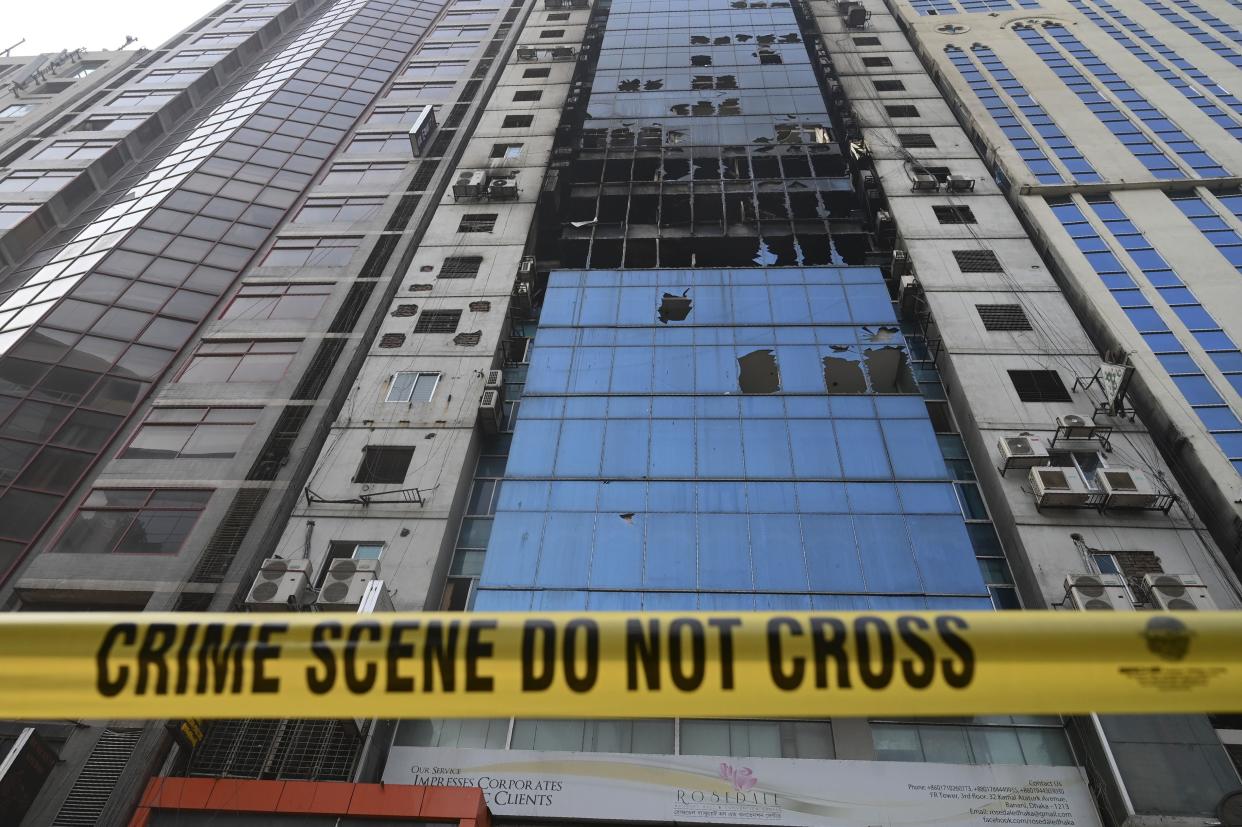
742, 778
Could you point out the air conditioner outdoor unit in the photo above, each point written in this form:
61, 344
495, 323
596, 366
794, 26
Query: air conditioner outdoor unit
527, 53
1178, 592
908, 295
884, 222
900, 263
502, 189
495, 379
1058, 487
959, 183
1076, 426
521, 296
924, 182
469, 184
855, 15
346, 584
527, 266
869, 181
1098, 592
491, 411
562, 53
1023, 451
1126, 488
280, 586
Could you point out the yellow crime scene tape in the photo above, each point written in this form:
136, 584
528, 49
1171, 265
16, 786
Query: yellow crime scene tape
798, 664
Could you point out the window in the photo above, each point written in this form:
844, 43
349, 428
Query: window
558, 16
1003, 317
551, 33
517, 121
112, 123
460, 267
331, 210
73, 150
394, 114
760, 739
440, 68
192, 433
426, 90
240, 361
988, 744
767, 57
977, 261
953, 214
28, 180
916, 140
902, 111
527, 95
351, 174
240, 23
311, 252
172, 76
15, 110
889, 85
506, 151
539, 72
412, 386
130, 100
196, 55
438, 321
576, 735
384, 465
1039, 386
133, 521
278, 301
380, 143
477, 223
12, 214
220, 39
875, 62
866, 41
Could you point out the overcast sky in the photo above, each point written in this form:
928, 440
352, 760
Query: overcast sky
95, 24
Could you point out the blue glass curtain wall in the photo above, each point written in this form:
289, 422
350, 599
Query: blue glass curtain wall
768, 449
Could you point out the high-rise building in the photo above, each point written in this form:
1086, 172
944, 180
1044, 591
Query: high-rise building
541, 305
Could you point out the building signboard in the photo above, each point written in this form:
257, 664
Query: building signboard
775, 791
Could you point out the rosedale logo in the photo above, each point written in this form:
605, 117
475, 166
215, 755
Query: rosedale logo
743, 780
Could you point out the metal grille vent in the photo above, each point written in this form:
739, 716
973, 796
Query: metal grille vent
954, 214
316, 375
419, 288
477, 223
461, 267
468, 339
402, 214
438, 321
192, 602
422, 178
469, 91
406, 310
283, 750
392, 340
351, 308
227, 539
441, 144
876, 62
456, 115
1039, 386
977, 261
480, 306
1003, 317
915, 140
84, 805
889, 86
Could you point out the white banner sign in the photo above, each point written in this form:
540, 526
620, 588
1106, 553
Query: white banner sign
706, 790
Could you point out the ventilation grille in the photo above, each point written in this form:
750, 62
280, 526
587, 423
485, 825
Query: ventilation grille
889, 86
228, 536
422, 178
84, 805
977, 261
401, 216
468, 339
456, 115
406, 310
293, 750
1039, 386
461, 267
953, 214
469, 91
903, 110
392, 340
438, 321
915, 140
441, 144
480, 306
192, 602
1003, 317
